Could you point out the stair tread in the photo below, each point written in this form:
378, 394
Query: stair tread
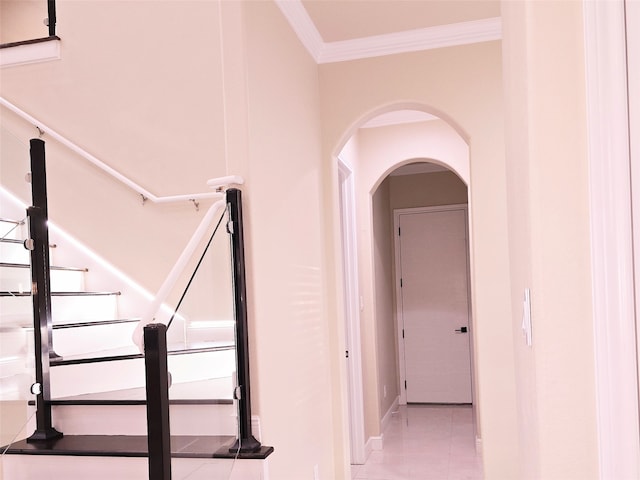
52, 267
11, 240
182, 446
212, 391
95, 323
58, 294
132, 352
28, 323
13, 222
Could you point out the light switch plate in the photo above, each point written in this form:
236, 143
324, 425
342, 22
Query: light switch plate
526, 316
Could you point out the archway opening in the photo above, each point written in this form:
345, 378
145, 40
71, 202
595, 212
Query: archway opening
404, 148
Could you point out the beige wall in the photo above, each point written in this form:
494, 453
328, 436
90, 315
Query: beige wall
462, 85
22, 20
141, 104
384, 278
426, 190
549, 237
237, 96
292, 345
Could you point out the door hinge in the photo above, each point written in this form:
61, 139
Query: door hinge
400, 283
403, 333
405, 384
398, 231
346, 353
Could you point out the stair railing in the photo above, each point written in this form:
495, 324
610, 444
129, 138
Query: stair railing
178, 268
246, 443
144, 193
38, 243
51, 17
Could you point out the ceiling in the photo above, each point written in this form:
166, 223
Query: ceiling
341, 30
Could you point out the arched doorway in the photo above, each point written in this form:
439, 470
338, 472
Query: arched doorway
374, 150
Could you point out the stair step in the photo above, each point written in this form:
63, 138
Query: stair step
220, 389
5, 293
12, 229
83, 338
76, 376
52, 267
124, 457
12, 251
55, 467
129, 418
131, 352
66, 307
17, 277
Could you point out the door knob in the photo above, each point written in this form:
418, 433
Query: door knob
461, 330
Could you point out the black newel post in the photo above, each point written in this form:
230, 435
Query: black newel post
157, 381
51, 15
246, 443
41, 293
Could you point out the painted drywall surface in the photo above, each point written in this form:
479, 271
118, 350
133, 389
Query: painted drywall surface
389, 146
136, 101
549, 237
462, 85
386, 348
518, 174
22, 20
285, 245
426, 190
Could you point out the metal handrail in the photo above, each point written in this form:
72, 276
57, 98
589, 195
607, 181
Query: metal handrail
143, 192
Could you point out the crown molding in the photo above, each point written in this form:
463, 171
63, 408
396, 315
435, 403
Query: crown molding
301, 22
413, 40
375, 46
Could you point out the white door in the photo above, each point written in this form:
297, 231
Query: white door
434, 304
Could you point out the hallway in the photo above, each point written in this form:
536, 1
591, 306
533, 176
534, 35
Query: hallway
425, 442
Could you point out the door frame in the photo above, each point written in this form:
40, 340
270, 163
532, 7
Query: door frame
351, 295
612, 257
398, 291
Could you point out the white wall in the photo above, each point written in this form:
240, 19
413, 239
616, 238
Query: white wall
183, 92
22, 20
148, 104
462, 85
288, 293
549, 231
384, 288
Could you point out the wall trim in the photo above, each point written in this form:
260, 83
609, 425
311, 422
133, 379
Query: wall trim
611, 240
384, 424
440, 36
346, 185
374, 443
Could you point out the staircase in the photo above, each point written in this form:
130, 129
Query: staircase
97, 382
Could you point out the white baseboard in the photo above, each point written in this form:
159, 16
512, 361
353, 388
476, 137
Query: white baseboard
387, 416
377, 443
373, 443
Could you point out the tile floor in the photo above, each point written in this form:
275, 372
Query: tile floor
425, 443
